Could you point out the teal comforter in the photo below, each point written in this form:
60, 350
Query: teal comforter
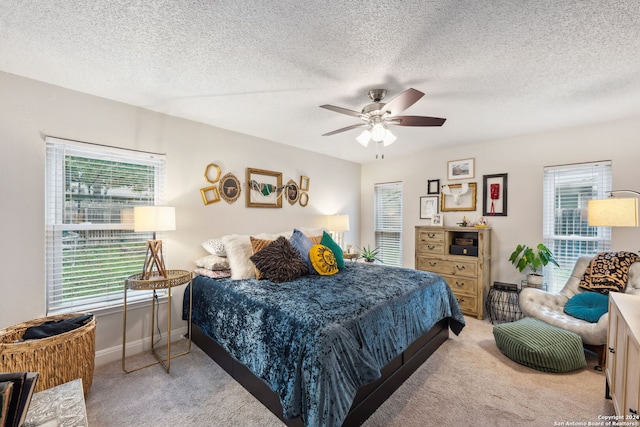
317, 339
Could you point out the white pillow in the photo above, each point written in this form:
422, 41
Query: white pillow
238, 248
213, 262
214, 247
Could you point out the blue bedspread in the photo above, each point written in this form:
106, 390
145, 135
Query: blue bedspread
317, 339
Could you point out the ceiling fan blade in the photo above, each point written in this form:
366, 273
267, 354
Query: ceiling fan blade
416, 121
342, 110
345, 129
403, 101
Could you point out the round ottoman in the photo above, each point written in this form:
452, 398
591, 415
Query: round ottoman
541, 346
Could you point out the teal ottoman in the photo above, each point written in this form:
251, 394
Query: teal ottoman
541, 346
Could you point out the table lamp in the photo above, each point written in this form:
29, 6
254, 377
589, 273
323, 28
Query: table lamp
337, 225
154, 218
613, 212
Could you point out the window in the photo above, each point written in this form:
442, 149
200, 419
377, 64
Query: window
90, 244
567, 189
388, 222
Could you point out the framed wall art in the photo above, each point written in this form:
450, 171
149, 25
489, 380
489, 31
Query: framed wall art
264, 188
292, 192
461, 169
458, 197
433, 186
494, 200
428, 206
437, 220
230, 188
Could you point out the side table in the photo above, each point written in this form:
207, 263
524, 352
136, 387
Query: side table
503, 303
156, 281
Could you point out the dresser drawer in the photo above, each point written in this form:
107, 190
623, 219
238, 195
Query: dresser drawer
446, 267
462, 285
431, 236
468, 303
426, 247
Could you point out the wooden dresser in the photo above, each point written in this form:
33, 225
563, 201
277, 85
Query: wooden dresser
462, 255
623, 360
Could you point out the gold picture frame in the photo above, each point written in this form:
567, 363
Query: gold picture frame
230, 188
452, 201
292, 192
264, 188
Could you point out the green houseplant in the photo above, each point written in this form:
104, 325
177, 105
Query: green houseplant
534, 258
369, 255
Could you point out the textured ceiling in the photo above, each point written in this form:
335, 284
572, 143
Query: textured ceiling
493, 68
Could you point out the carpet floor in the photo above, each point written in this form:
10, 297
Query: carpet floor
467, 381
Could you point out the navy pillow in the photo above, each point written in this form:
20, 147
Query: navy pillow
589, 306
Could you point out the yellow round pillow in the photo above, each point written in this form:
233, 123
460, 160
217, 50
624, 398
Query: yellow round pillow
323, 260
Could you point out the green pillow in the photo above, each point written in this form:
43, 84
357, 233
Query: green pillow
335, 248
589, 306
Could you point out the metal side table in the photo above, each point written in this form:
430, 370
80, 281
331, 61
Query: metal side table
135, 282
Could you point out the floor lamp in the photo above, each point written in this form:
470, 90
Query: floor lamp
614, 211
154, 218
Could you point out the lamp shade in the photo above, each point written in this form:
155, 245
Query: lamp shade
338, 222
154, 218
613, 212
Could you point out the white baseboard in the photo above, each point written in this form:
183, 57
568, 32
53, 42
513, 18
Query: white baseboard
112, 354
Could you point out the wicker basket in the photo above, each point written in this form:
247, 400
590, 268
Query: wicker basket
59, 359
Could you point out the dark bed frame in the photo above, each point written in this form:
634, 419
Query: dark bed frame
368, 398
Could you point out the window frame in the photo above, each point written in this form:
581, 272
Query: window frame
390, 252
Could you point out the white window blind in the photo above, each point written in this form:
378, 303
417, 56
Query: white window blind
567, 189
90, 244
388, 222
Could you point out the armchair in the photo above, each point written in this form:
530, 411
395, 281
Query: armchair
549, 308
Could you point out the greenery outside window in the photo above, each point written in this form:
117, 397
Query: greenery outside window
91, 247
567, 189
388, 222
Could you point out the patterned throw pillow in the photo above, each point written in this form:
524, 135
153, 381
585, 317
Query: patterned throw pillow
323, 260
608, 271
335, 248
214, 247
279, 261
256, 246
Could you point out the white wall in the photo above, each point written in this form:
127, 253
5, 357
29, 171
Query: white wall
523, 158
30, 109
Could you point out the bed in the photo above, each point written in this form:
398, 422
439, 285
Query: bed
324, 350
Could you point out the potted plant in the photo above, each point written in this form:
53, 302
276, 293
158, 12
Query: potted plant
524, 256
369, 255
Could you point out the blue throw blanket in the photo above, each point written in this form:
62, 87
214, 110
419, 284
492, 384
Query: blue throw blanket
317, 339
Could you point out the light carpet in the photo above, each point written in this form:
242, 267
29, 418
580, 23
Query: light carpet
466, 382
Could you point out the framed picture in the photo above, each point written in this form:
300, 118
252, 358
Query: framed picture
494, 189
428, 206
304, 183
292, 193
264, 188
433, 186
437, 220
461, 169
458, 197
230, 188
210, 194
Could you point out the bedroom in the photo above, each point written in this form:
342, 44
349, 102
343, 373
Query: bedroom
31, 108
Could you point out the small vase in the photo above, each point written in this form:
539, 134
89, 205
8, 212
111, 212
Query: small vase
535, 280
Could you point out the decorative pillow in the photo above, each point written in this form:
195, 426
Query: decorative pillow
238, 248
589, 306
316, 239
256, 246
214, 247
323, 260
335, 248
279, 261
302, 244
214, 274
213, 262
608, 271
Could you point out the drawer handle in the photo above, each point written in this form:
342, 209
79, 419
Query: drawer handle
460, 300
459, 284
432, 263
633, 411
431, 247
431, 235
460, 267
612, 350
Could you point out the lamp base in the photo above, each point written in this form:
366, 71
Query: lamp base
153, 259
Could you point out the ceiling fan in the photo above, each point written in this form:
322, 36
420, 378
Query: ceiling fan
378, 115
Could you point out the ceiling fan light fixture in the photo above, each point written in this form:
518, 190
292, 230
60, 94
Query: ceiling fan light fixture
389, 138
378, 132
364, 138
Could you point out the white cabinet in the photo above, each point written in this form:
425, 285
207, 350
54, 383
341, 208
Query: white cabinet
623, 361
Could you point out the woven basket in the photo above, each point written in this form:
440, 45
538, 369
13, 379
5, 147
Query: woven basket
59, 359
